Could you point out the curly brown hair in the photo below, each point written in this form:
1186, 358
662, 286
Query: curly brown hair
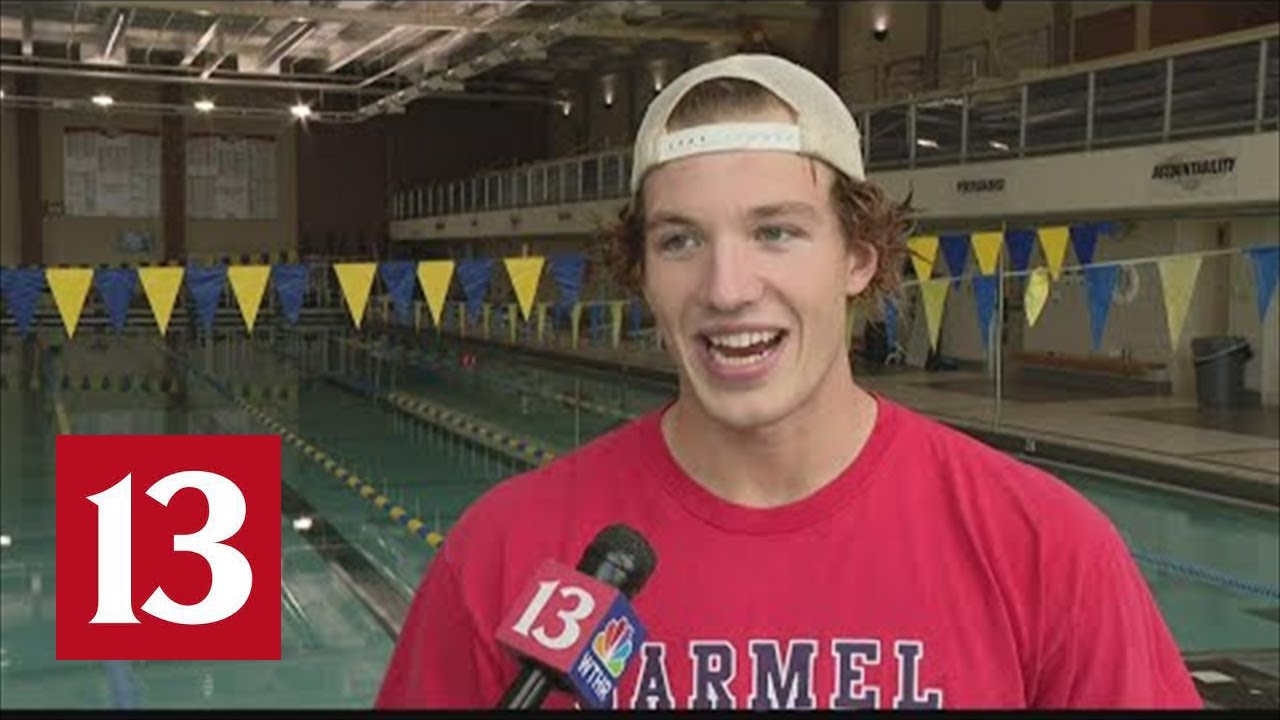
868, 217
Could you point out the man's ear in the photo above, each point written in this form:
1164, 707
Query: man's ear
863, 261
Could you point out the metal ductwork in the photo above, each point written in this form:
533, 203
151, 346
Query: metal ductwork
284, 43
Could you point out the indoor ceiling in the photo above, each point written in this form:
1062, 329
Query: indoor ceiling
355, 59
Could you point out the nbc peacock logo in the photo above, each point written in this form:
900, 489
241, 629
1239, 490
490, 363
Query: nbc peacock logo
613, 645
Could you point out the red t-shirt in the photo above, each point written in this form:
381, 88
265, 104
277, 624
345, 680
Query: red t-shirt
934, 572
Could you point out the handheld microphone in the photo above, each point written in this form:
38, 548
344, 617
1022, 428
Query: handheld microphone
578, 626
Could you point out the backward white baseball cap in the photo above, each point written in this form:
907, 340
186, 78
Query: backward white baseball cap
824, 127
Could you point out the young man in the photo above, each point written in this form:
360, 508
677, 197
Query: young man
818, 546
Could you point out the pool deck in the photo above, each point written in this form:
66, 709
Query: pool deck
1156, 437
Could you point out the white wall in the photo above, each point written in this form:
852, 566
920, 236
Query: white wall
92, 240
1104, 181
1223, 302
1263, 373
231, 237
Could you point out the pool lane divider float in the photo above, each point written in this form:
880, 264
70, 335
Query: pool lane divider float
1205, 575
140, 384
510, 445
398, 513
521, 450
433, 364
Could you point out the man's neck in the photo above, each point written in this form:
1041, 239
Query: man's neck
780, 463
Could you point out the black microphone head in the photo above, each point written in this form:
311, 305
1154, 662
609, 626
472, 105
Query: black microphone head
621, 557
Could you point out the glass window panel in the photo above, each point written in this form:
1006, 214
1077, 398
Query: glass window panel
590, 179
887, 138
610, 186
1215, 89
537, 181
491, 188
508, 189
993, 123
1056, 113
554, 191
570, 178
1271, 95
1128, 103
522, 188
938, 125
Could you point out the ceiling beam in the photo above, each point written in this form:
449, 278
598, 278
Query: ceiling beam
58, 32
762, 9
28, 34
229, 51
420, 16
202, 42
113, 29
283, 42
449, 42
101, 72
360, 51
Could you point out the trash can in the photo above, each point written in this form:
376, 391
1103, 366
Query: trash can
1219, 362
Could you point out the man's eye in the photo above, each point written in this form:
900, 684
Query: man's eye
776, 233
676, 243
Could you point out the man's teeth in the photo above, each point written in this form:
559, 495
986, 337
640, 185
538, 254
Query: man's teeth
738, 360
743, 339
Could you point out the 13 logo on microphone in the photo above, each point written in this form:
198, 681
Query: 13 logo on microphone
168, 547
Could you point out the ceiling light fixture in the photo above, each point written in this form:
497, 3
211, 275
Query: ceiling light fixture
302, 111
103, 100
880, 28
204, 106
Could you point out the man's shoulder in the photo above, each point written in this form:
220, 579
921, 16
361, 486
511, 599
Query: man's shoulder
544, 496
979, 478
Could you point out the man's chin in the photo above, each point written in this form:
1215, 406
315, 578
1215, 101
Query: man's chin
743, 414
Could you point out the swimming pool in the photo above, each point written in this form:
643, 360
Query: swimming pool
1213, 566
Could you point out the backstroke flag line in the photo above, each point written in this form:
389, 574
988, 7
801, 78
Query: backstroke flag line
249, 284
1178, 280
160, 285
356, 280
70, 288
435, 276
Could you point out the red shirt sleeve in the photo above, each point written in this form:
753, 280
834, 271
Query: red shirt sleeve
440, 659
1105, 642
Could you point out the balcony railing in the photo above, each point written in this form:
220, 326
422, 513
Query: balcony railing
1225, 87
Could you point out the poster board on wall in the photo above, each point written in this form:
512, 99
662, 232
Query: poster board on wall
110, 173
231, 177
